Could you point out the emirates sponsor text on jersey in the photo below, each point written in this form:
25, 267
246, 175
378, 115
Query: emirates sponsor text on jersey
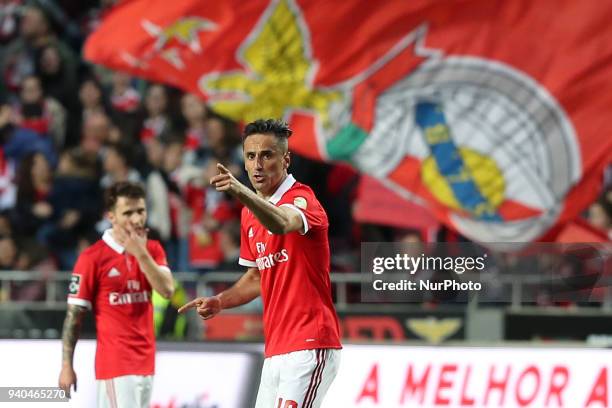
268, 261
116, 298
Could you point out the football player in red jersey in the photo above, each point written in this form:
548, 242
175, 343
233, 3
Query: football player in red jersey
115, 277
284, 245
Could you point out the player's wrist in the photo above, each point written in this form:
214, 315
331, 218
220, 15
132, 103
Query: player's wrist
240, 191
220, 299
141, 255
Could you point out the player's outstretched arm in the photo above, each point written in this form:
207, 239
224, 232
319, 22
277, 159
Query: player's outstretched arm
70, 335
246, 289
278, 220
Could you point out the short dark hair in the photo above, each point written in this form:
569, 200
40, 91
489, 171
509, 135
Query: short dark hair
274, 127
126, 189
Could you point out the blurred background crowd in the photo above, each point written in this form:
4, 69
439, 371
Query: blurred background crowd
68, 130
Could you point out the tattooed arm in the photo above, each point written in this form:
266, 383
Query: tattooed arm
70, 335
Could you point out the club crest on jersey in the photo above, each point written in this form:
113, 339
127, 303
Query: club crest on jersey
251, 232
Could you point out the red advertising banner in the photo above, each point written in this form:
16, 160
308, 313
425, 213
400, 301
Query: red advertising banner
389, 377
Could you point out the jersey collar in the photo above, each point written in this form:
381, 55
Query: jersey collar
282, 189
107, 237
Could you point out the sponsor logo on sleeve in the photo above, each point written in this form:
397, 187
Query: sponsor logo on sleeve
75, 283
300, 202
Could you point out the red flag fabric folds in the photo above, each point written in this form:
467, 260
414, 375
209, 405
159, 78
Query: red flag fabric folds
493, 114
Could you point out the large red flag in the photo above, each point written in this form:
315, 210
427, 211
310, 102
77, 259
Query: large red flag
493, 114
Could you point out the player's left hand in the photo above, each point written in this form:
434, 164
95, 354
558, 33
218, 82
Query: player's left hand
207, 307
134, 242
225, 181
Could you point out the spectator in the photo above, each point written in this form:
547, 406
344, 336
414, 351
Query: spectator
117, 167
8, 253
221, 147
229, 238
211, 210
178, 176
76, 201
93, 16
43, 115
156, 119
91, 101
35, 32
96, 132
91, 97
124, 103
195, 113
17, 142
34, 181
124, 97
157, 191
57, 82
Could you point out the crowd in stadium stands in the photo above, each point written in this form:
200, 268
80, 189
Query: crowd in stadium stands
69, 130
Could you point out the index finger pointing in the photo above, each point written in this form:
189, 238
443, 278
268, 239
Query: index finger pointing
190, 305
222, 168
217, 178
